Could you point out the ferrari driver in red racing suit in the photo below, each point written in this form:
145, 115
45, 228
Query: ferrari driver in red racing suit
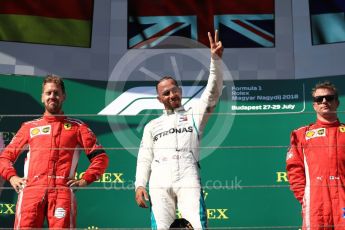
53, 144
316, 164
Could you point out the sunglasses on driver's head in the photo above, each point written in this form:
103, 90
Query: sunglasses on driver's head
329, 98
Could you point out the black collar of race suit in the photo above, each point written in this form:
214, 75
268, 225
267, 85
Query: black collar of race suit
172, 111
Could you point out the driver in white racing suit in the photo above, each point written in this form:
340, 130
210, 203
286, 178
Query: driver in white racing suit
169, 151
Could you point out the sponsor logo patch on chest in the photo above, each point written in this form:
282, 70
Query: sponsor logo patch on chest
183, 118
40, 130
176, 131
321, 132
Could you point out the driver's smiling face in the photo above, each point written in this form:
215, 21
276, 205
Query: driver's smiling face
169, 94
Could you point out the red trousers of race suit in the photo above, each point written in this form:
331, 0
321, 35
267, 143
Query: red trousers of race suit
35, 204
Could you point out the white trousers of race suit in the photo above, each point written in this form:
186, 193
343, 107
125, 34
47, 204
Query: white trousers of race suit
178, 187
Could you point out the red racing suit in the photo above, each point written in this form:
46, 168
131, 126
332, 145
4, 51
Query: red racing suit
53, 144
316, 172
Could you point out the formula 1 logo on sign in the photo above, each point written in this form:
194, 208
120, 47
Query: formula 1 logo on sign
138, 99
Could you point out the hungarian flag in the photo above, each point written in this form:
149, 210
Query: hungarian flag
241, 23
327, 21
52, 22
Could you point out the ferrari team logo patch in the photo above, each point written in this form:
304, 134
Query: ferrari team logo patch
67, 126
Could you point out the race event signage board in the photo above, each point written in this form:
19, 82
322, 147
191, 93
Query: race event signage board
242, 159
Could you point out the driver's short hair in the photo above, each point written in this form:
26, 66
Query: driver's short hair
51, 78
166, 78
325, 85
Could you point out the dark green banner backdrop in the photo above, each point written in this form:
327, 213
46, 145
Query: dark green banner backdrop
242, 153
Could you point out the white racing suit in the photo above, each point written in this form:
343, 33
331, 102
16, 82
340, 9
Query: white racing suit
169, 155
